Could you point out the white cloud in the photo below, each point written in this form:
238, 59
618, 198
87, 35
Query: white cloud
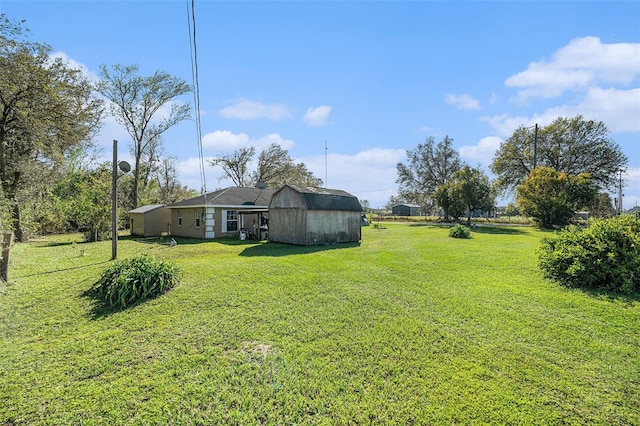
632, 178
631, 188
505, 124
369, 175
584, 62
617, 109
272, 138
317, 116
225, 140
462, 101
483, 152
72, 63
249, 110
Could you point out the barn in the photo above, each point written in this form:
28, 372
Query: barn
311, 216
150, 221
405, 210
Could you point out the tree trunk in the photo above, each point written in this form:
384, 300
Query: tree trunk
4, 260
17, 223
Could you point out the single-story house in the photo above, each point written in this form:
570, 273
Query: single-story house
311, 216
222, 213
405, 210
150, 221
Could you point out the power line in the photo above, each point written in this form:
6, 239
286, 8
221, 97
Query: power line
191, 21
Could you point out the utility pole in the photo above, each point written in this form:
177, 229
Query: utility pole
114, 203
535, 147
620, 194
125, 167
325, 164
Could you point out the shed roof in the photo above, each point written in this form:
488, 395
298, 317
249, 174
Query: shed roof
147, 208
326, 199
234, 196
407, 205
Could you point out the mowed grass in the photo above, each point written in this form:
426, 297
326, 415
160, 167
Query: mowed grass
408, 327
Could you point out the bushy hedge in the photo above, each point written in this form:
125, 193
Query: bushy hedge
459, 231
132, 280
604, 255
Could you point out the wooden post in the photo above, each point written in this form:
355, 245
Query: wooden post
4, 260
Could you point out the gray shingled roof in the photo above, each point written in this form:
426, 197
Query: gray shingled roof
147, 208
232, 196
327, 199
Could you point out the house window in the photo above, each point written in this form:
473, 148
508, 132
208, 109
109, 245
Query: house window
198, 218
232, 220
179, 218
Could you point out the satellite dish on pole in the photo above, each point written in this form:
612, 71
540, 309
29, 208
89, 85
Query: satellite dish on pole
124, 166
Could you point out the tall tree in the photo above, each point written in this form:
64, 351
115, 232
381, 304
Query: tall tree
274, 168
235, 165
470, 187
551, 198
83, 199
567, 145
46, 110
146, 108
167, 187
428, 167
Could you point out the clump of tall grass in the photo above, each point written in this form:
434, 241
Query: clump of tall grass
130, 281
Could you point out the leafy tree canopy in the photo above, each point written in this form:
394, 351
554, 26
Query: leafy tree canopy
274, 168
46, 110
145, 107
427, 168
551, 198
567, 145
470, 187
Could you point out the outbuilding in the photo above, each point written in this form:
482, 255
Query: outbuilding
311, 216
405, 210
152, 220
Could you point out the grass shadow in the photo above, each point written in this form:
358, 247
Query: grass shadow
271, 249
100, 310
166, 241
610, 295
53, 271
498, 230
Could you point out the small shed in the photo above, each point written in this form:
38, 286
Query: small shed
152, 220
405, 210
311, 216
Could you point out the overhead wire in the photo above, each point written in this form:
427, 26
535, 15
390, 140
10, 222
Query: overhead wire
191, 25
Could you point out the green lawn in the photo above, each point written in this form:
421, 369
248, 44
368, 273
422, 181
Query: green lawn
408, 327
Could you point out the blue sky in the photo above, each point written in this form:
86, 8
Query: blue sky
370, 79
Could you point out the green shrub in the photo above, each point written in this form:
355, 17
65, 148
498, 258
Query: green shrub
132, 280
605, 255
459, 231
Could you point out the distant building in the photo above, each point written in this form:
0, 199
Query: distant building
405, 210
152, 220
311, 216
